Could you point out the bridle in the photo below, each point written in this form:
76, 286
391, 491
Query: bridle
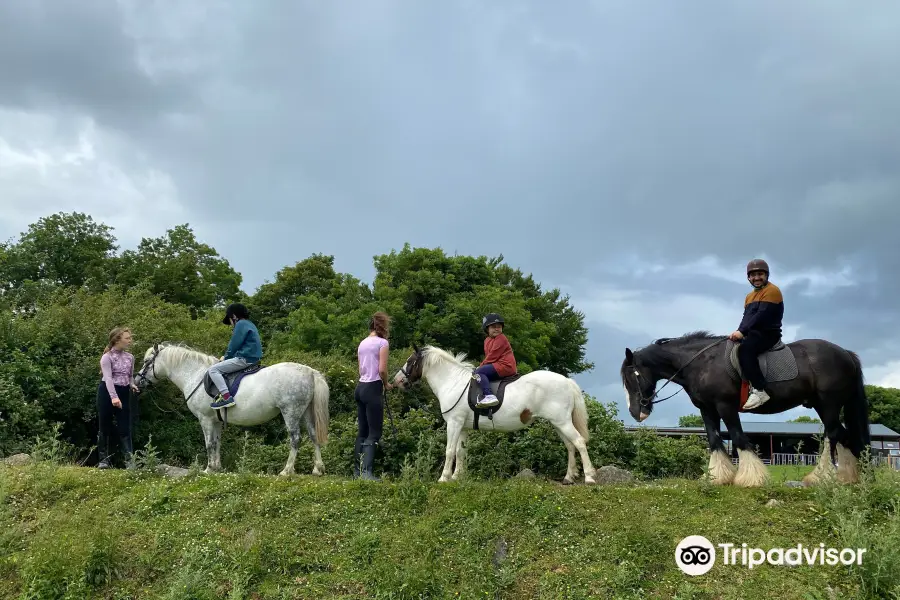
149, 364
650, 401
415, 364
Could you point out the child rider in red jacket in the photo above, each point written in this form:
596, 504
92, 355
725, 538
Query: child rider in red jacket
498, 362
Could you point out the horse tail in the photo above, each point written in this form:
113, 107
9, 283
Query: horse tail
320, 407
856, 411
579, 412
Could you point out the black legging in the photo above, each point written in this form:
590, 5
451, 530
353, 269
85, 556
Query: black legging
105, 412
369, 410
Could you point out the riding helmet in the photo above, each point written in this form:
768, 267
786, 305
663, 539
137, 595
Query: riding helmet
757, 264
235, 310
490, 319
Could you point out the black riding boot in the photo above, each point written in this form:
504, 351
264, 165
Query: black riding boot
368, 462
103, 452
128, 451
357, 456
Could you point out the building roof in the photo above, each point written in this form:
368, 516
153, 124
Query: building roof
771, 427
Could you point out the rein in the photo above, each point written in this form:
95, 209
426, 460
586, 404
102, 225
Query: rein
143, 380
406, 376
650, 401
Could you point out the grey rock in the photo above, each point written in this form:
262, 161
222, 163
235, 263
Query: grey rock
500, 553
794, 484
17, 460
611, 474
526, 474
170, 471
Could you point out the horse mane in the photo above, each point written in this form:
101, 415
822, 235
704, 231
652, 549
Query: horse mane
657, 353
432, 356
181, 353
693, 336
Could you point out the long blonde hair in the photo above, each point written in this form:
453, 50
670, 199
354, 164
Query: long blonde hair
114, 336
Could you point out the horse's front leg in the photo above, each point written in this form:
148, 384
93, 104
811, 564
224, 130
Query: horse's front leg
453, 430
751, 471
460, 454
721, 470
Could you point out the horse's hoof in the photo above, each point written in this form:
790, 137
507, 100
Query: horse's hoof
567, 481
589, 480
316, 472
442, 480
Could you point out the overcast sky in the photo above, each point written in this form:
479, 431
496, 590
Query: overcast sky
635, 154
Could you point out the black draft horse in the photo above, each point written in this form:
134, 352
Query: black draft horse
829, 379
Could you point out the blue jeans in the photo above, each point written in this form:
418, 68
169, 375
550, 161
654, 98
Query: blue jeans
229, 365
488, 374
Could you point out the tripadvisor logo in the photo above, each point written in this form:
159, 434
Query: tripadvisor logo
696, 555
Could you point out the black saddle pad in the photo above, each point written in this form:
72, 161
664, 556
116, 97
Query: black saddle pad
497, 387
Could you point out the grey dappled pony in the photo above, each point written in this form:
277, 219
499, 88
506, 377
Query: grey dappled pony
296, 391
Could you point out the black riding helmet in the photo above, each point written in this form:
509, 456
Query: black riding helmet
235, 310
490, 319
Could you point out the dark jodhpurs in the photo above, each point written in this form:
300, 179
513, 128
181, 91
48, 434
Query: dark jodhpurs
370, 416
488, 374
754, 344
105, 413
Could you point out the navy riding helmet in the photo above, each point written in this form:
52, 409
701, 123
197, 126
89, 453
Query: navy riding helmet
237, 310
490, 319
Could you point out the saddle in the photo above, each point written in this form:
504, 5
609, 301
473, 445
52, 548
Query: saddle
777, 364
497, 387
232, 381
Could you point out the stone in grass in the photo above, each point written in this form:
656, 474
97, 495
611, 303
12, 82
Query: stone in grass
170, 471
526, 474
18, 460
611, 474
794, 484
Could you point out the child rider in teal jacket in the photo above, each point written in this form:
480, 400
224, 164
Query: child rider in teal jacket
244, 349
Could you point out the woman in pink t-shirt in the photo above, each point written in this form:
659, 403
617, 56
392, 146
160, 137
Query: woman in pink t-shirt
114, 395
369, 394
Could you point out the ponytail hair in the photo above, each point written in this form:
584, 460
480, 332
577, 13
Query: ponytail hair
114, 336
380, 323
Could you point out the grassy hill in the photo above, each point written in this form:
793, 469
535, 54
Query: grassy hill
70, 532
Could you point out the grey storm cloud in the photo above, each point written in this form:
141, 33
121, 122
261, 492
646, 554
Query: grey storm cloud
568, 137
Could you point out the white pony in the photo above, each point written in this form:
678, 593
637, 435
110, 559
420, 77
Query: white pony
294, 390
539, 394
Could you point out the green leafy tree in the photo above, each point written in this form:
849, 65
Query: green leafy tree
884, 406
441, 299
182, 270
313, 290
804, 419
60, 250
690, 421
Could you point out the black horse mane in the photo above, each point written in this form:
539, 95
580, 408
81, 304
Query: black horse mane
656, 354
693, 336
